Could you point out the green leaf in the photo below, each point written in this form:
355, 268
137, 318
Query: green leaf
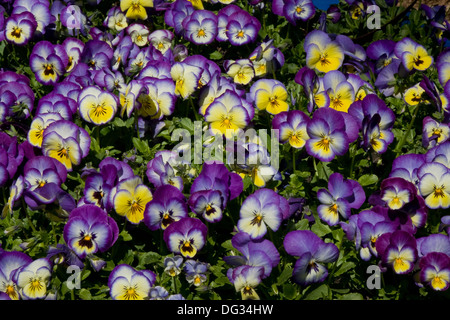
126, 236
318, 293
346, 266
289, 291
284, 276
320, 229
216, 55
85, 294
367, 179
352, 296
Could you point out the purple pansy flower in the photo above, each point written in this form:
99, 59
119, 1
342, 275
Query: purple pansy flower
127, 283
200, 27
313, 253
327, 136
342, 196
264, 208
10, 263
89, 230
48, 62
256, 253
186, 236
398, 251
168, 205
20, 28
66, 142
245, 279
242, 28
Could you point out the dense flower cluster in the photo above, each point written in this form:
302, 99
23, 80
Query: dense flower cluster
92, 102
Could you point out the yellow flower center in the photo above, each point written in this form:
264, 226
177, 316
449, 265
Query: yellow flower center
201, 33
240, 34
130, 294
11, 292
16, 32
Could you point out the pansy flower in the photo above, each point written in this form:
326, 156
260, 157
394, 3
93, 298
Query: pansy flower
48, 62
66, 142
341, 196
340, 91
396, 192
433, 132
382, 52
415, 95
266, 58
270, 95
127, 283
138, 33
115, 19
264, 208
376, 121
322, 53
131, 199
39, 9
38, 125
186, 236
186, 78
167, 206
257, 253
443, 67
73, 47
434, 182
196, 272
371, 225
298, 10
413, 55
41, 170
222, 21
20, 28
136, 9
210, 68
201, 27
97, 54
161, 39
10, 262
16, 191
242, 28
55, 102
172, 265
241, 70
89, 230
313, 255
162, 169
313, 88
157, 98
435, 271
34, 278
245, 279
128, 97
97, 106
398, 251
176, 13
440, 154
217, 85
292, 125
226, 115
327, 137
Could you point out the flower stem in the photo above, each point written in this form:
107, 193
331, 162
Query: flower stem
399, 146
